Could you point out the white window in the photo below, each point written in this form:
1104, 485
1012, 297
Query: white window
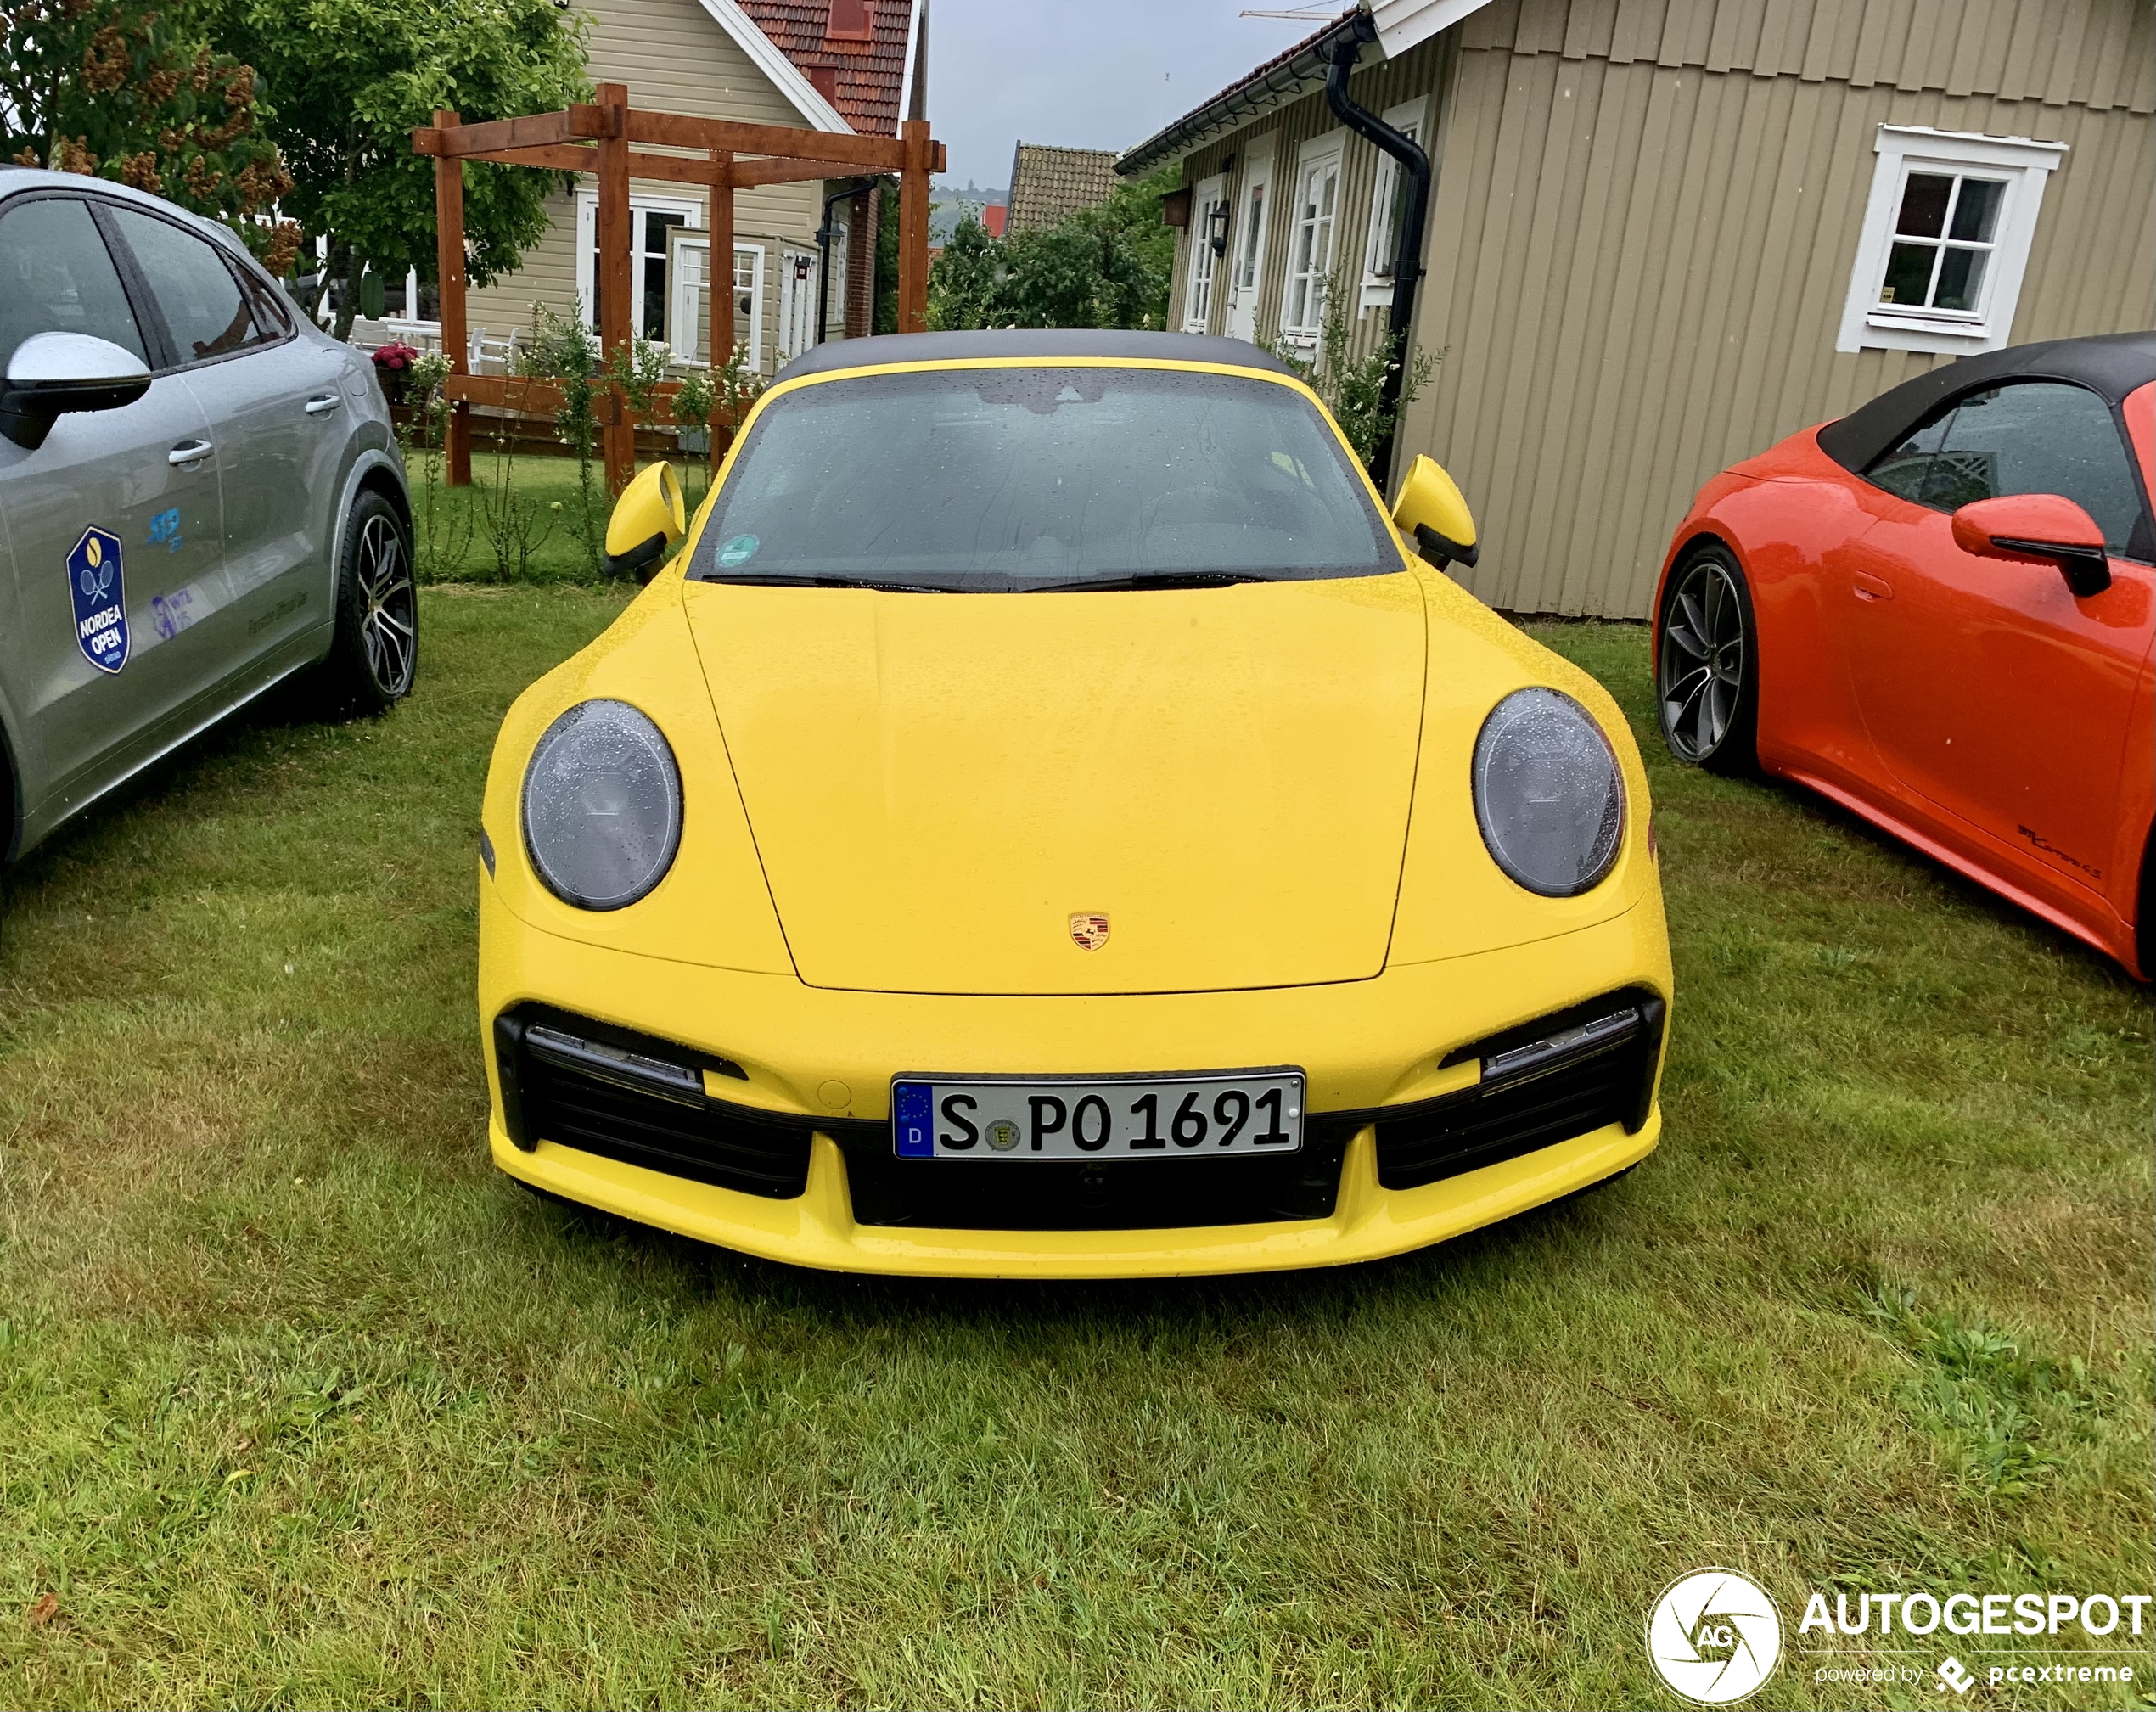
691, 336
1197, 289
835, 285
650, 219
1387, 211
1246, 241
1946, 240
1314, 211
796, 302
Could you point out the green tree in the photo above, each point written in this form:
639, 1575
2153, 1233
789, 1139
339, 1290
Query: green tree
354, 78
1106, 265
132, 90
886, 312
1353, 387
561, 348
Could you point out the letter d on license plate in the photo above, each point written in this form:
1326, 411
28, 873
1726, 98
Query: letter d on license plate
1229, 1114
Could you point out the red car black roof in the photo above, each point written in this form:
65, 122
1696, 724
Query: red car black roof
2111, 365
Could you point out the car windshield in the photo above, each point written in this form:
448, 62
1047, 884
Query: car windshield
1033, 479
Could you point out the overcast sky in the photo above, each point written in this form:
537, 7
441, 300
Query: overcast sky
1083, 74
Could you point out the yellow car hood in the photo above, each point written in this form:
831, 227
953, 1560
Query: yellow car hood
938, 784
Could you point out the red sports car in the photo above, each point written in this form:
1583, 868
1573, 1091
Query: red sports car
1937, 611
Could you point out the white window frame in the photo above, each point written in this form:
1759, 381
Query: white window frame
1257, 201
1376, 261
836, 282
1319, 154
1205, 266
796, 303
2022, 164
753, 254
587, 224
684, 289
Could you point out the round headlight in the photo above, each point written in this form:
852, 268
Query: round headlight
1547, 794
602, 805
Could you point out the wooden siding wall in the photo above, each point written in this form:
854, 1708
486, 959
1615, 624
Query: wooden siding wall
1379, 86
675, 59
1645, 219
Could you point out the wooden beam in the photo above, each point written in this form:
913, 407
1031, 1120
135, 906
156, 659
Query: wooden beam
543, 397
449, 272
672, 169
455, 140
578, 157
616, 305
776, 170
913, 227
554, 140
859, 153
527, 397
561, 157
719, 259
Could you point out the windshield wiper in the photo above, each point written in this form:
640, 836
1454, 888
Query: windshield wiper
1150, 579
778, 582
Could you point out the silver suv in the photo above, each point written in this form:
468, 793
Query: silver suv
200, 496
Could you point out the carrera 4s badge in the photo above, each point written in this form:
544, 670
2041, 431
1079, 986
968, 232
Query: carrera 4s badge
2048, 848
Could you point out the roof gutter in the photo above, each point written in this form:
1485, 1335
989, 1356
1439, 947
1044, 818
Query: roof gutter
1260, 94
1346, 46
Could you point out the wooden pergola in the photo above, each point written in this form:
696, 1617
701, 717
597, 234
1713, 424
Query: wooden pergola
602, 138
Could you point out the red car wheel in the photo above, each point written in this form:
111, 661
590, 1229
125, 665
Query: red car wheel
1707, 668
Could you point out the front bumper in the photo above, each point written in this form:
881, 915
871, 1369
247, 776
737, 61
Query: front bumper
812, 1056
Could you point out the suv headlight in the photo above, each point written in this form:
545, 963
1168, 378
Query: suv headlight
1547, 792
602, 805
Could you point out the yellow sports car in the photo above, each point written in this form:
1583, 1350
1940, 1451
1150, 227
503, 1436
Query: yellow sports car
1048, 822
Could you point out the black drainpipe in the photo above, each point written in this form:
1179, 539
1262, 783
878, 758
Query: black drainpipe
824, 260
1407, 265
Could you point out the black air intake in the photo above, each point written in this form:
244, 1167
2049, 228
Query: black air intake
1544, 1082
628, 1097
1081, 1195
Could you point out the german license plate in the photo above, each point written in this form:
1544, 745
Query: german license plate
1233, 1114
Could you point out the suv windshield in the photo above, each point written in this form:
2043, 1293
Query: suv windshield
1039, 477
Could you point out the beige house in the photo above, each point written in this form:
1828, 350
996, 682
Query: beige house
832, 65
1664, 234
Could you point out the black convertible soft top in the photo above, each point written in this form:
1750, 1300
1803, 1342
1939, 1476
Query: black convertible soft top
2111, 364
1051, 344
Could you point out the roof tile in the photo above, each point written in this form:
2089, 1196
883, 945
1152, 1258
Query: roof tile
1048, 184
867, 75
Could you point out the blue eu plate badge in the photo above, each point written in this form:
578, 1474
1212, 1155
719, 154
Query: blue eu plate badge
94, 575
913, 1111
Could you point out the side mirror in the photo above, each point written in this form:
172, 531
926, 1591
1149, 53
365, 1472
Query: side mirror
2042, 527
647, 517
1431, 512
53, 372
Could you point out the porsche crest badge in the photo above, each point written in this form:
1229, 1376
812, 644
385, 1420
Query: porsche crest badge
1089, 932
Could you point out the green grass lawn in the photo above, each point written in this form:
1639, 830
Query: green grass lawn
301, 1402
520, 521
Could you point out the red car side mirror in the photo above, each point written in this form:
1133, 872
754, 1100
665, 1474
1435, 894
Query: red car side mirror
2047, 527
